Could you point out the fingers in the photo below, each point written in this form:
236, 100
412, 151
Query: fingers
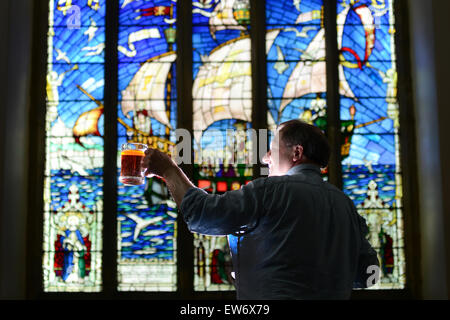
155, 162
150, 151
147, 151
151, 157
146, 159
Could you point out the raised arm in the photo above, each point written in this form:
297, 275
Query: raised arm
227, 213
207, 213
158, 163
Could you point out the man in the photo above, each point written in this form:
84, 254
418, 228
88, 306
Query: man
292, 235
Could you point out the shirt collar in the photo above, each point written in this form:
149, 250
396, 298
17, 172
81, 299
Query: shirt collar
302, 167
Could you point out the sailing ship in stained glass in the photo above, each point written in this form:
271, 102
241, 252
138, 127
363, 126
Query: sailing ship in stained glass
73, 182
372, 172
147, 215
146, 219
222, 101
222, 104
296, 66
369, 110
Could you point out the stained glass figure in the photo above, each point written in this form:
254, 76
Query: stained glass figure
73, 195
147, 215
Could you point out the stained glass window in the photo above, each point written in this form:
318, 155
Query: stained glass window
296, 64
371, 163
222, 122
73, 195
222, 116
146, 217
296, 67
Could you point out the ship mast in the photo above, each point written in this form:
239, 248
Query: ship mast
170, 34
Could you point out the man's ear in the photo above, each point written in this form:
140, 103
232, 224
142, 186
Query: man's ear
298, 153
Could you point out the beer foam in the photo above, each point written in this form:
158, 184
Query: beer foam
133, 153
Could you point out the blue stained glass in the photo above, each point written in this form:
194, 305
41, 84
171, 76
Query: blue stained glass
73, 189
144, 35
287, 12
357, 178
147, 114
212, 141
66, 13
146, 13
90, 187
376, 148
80, 45
221, 101
366, 83
371, 171
203, 42
368, 116
296, 67
296, 78
208, 37
367, 70
153, 241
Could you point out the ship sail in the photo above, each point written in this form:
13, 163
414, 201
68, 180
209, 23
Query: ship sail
222, 88
309, 76
146, 91
87, 124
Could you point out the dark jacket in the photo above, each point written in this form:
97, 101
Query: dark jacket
300, 237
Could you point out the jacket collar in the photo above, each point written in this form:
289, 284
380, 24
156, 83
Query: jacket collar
302, 167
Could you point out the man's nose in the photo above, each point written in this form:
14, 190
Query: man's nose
266, 158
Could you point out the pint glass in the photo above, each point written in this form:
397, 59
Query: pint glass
131, 172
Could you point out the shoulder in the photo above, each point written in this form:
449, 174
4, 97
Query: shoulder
304, 181
299, 178
259, 183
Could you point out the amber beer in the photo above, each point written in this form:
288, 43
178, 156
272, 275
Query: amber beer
131, 172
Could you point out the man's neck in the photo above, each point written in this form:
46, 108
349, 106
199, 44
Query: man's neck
303, 165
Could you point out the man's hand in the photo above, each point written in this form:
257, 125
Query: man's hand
157, 163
